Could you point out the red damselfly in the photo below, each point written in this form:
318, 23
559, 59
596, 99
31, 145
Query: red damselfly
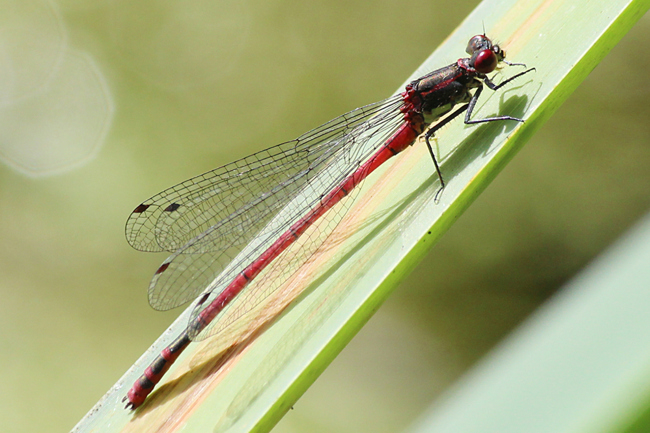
231, 224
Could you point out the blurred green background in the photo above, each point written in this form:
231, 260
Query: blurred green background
105, 103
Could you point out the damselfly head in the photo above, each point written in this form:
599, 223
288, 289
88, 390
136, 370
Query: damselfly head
485, 56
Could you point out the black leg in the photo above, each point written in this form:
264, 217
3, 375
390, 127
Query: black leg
472, 103
495, 87
432, 131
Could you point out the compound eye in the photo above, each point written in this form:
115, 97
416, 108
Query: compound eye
477, 43
485, 61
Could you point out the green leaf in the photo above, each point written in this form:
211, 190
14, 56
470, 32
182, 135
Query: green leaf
579, 364
393, 223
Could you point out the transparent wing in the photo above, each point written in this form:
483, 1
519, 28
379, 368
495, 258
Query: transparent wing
263, 290
209, 219
228, 202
